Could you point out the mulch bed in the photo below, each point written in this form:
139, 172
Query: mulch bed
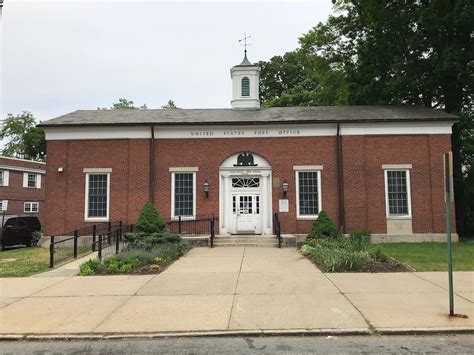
391, 265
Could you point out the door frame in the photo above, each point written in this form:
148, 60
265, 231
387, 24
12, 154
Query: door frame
256, 219
229, 170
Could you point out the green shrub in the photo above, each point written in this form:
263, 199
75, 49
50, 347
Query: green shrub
90, 267
359, 240
143, 241
126, 268
149, 220
323, 227
378, 254
307, 250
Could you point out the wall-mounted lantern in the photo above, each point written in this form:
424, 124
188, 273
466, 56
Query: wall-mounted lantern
60, 169
284, 186
206, 186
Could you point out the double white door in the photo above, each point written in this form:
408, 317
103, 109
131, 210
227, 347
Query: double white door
246, 213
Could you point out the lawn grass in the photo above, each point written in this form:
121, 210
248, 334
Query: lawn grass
432, 256
28, 261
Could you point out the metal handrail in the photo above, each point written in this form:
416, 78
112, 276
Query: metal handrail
277, 228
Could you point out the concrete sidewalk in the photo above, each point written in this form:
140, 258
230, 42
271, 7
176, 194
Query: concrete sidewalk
233, 290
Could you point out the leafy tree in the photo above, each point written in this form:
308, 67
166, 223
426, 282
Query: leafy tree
24, 139
149, 220
124, 104
300, 79
388, 52
170, 105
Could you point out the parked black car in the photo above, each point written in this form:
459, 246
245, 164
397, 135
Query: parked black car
19, 230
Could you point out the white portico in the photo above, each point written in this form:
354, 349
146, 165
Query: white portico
245, 196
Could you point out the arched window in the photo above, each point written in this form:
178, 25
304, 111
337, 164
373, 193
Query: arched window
245, 86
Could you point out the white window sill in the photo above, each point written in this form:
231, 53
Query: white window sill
307, 218
183, 218
96, 220
400, 217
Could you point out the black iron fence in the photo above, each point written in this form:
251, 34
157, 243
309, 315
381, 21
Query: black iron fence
80, 242
107, 238
277, 228
112, 242
192, 226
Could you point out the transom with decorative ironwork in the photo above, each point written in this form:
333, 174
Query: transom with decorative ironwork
245, 182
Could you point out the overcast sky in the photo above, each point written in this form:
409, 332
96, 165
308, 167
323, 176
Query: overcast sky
60, 56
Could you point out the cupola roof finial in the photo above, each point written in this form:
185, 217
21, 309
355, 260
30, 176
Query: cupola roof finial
245, 61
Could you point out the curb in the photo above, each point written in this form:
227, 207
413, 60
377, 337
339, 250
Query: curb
253, 333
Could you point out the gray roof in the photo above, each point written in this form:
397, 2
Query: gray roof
312, 114
245, 62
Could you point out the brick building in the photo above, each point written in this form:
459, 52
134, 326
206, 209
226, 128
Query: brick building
22, 187
375, 167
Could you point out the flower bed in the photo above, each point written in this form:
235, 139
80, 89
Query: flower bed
332, 252
150, 249
135, 261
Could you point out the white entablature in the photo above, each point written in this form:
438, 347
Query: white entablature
248, 131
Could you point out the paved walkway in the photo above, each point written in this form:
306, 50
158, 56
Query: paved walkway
230, 290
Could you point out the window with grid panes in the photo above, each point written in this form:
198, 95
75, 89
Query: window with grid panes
1, 177
183, 194
397, 192
97, 196
31, 207
31, 180
308, 193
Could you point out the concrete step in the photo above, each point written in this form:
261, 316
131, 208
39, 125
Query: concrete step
246, 240
246, 245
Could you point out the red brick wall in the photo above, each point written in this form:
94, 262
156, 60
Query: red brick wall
15, 193
363, 176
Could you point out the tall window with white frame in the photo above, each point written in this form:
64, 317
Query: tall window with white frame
97, 196
183, 194
397, 185
1, 177
308, 194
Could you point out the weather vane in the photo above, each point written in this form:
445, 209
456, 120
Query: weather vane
245, 42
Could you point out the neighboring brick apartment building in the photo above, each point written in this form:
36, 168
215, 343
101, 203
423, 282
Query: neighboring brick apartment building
375, 167
22, 187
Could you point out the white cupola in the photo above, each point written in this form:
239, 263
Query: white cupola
245, 86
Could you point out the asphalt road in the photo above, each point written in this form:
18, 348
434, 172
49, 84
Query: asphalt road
433, 344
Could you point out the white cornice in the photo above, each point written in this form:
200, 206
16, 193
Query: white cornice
248, 131
22, 169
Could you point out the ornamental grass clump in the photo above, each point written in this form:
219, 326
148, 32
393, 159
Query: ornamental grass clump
336, 254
